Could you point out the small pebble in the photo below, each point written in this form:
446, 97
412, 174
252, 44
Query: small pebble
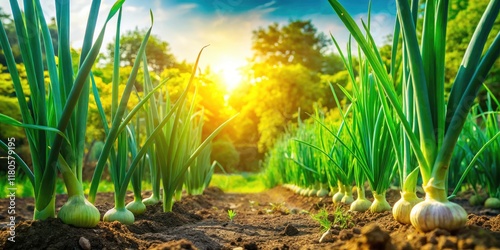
84, 243
290, 230
251, 246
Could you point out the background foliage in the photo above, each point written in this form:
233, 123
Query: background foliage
288, 75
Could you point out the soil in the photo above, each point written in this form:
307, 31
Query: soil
274, 219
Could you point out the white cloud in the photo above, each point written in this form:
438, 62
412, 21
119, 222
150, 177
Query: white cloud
229, 36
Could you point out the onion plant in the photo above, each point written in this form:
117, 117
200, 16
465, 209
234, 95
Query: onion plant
405, 158
491, 158
200, 172
177, 154
136, 206
374, 150
120, 140
439, 123
278, 167
335, 144
468, 144
328, 181
481, 151
153, 114
305, 158
63, 105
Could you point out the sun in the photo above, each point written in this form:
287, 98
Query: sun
230, 72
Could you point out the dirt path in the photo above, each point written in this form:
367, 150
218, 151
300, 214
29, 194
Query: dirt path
275, 219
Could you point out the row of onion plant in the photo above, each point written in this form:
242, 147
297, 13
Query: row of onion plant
302, 160
180, 143
55, 122
177, 131
334, 144
374, 147
488, 170
477, 154
278, 167
121, 139
309, 161
439, 123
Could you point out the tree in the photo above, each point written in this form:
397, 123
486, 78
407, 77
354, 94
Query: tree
277, 97
290, 71
158, 51
296, 43
465, 16
332, 64
10, 29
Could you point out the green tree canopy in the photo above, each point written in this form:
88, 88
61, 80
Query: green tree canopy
276, 98
10, 29
158, 51
464, 16
297, 42
289, 73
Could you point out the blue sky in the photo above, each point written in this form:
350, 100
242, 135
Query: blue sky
227, 25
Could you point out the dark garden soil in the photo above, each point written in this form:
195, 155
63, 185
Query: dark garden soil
202, 222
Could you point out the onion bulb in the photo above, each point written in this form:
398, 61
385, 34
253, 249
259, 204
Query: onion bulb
137, 207
492, 202
476, 200
79, 212
322, 192
152, 200
402, 208
121, 215
361, 204
379, 204
337, 197
437, 212
347, 199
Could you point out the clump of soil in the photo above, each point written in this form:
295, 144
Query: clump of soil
274, 219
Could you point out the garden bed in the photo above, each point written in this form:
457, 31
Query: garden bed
202, 222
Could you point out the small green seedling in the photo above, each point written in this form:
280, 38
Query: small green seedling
231, 214
342, 218
322, 218
338, 218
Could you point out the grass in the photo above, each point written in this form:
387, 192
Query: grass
239, 183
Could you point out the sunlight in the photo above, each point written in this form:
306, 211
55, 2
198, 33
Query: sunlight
230, 71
